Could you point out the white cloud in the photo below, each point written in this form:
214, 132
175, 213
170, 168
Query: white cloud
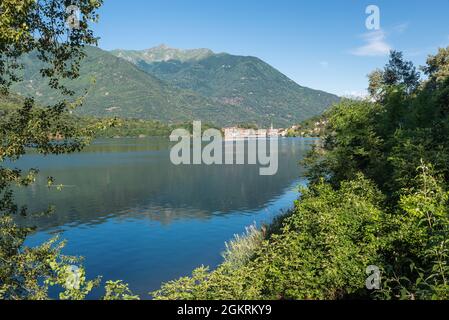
375, 45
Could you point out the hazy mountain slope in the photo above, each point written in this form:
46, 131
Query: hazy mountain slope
121, 89
219, 89
247, 83
162, 53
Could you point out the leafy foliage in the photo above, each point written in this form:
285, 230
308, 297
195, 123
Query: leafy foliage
377, 196
241, 249
39, 27
117, 290
320, 252
417, 250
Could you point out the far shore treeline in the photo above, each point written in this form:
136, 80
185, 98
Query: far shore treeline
116, 128
142, 128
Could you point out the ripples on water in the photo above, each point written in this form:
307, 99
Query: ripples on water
134, 216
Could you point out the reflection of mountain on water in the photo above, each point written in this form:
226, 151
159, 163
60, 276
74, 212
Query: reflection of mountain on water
167, 215
131, 178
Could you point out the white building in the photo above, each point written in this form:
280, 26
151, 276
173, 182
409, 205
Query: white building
235, 133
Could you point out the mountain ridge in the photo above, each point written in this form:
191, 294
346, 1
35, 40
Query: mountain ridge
243, 81
216, 88
162, 53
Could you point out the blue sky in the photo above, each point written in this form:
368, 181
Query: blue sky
322, 44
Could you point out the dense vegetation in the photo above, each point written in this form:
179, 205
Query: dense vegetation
247, 90
110, 127
116, 88
140, 128
312, 127
133, 128
238, 83
10, 104
39, 27
378, 196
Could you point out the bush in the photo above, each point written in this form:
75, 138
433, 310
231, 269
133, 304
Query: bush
377, 197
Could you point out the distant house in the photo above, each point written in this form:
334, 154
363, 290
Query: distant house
235, 133
283, 132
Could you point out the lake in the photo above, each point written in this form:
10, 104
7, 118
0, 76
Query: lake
135, 216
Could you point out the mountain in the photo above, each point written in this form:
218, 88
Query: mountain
240, 82
173, 85
118, 88
162, 53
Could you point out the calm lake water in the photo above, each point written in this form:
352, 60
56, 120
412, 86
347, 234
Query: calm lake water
134, 216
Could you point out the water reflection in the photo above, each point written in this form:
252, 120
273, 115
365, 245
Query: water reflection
134, 176
134, 216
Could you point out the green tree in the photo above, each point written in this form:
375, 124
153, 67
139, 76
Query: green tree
376, 84
401, 72
416, 255
378, 195
40, 26
437, 67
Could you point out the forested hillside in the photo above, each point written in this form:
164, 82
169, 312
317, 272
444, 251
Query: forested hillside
114, 87
236, 82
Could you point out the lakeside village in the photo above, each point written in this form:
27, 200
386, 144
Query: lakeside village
314, 129
236, 133
183, 150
